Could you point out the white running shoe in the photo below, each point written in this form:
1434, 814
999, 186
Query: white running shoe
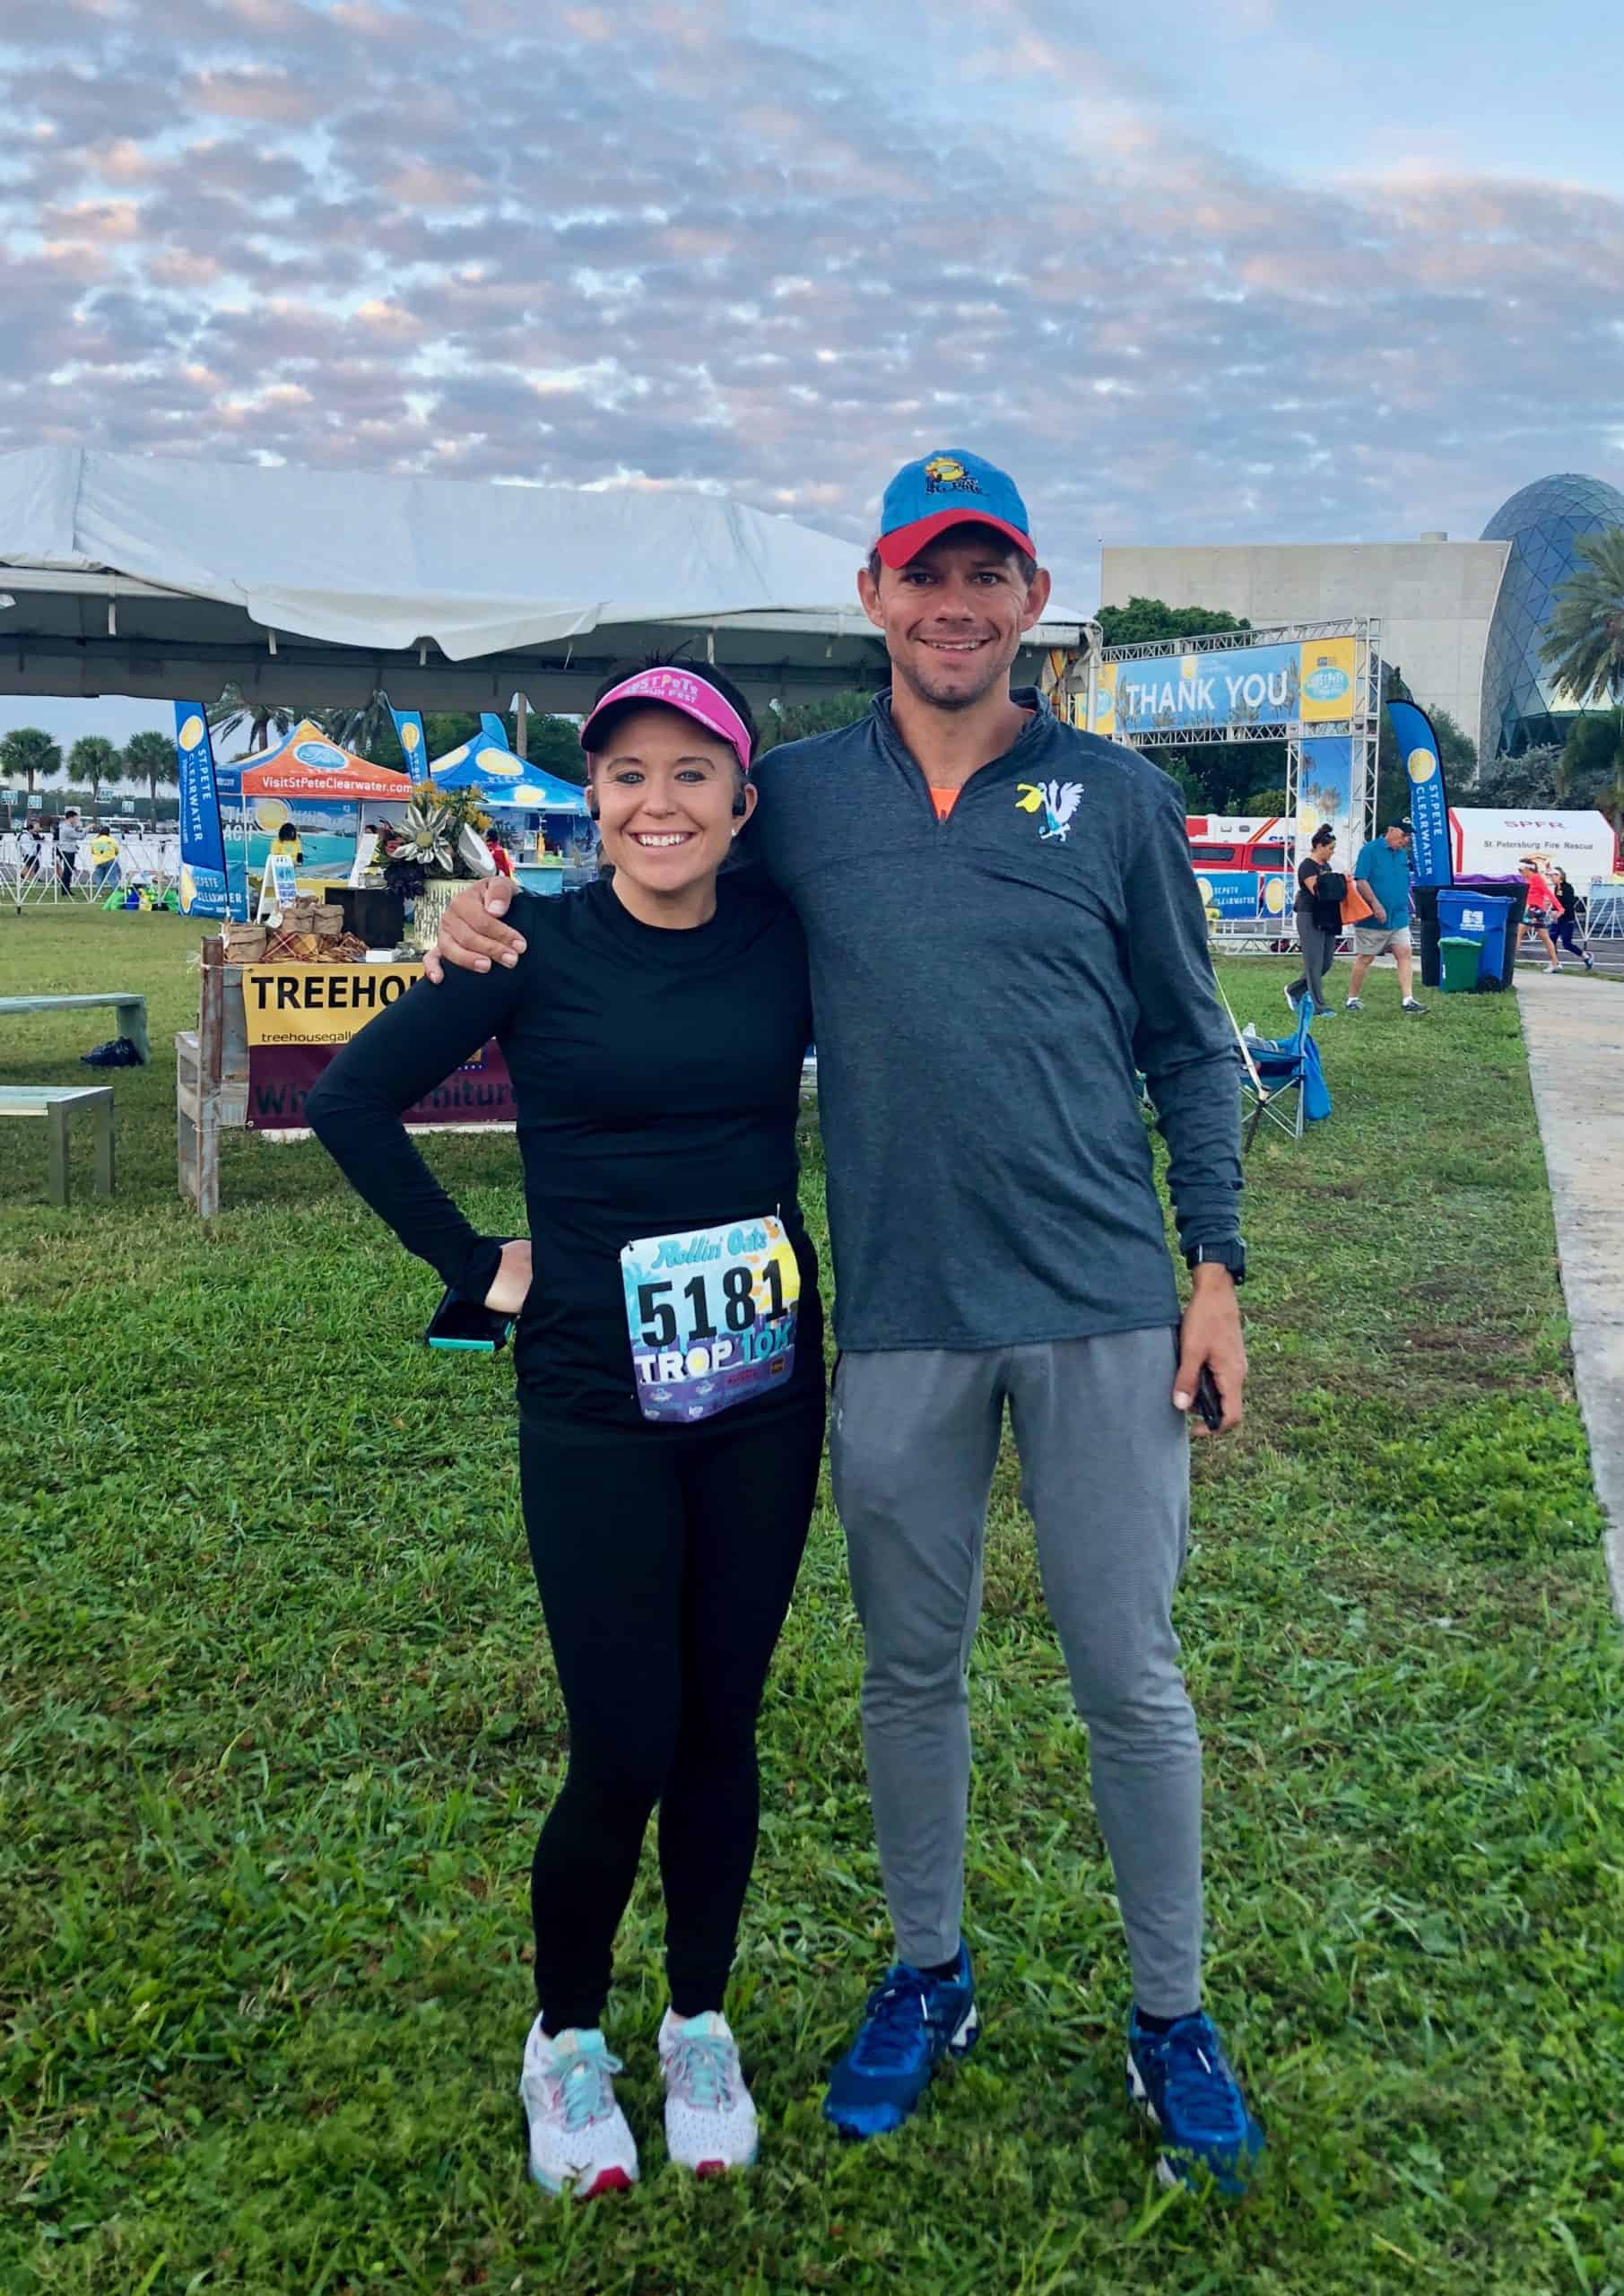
710, 2121
579, 2141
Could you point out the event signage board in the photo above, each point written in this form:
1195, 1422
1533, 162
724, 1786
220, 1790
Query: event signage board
1313, 681
1430, 859
295, 1016
204, 887
1324, 796
318, 1004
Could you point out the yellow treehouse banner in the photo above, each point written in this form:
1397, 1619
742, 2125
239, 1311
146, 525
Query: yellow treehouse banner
318, 1004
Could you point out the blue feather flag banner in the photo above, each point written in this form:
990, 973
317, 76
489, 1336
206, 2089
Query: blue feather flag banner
1429, 799
413, 739
203, 888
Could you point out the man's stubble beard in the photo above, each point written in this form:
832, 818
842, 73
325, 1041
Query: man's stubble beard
956, 701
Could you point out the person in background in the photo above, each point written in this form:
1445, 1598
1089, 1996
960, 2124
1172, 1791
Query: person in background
1382, 873
28, 854
1319, 921
499, 851
1565, 932
104, 859
70, 837
287, 841
1539, 909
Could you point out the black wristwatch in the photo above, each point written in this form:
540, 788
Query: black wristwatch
1232, 1255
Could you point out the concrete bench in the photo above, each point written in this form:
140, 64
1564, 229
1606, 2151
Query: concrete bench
131, 1011
55, 1103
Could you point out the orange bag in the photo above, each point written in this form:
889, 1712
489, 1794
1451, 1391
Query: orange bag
1355, 907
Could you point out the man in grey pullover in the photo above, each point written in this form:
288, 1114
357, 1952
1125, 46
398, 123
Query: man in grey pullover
1003, 926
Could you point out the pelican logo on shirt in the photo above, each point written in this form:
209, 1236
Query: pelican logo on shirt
1056, 801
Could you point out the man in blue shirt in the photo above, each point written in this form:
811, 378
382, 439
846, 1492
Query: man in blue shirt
1382, 873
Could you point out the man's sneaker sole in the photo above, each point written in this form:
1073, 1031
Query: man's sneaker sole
860, 2122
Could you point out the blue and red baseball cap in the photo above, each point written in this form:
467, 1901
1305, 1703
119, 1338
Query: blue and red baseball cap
951, 489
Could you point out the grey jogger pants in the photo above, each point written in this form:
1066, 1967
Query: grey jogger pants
1318, 945
1105, 1474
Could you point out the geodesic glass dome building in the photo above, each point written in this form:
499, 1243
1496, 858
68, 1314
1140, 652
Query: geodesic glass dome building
1542, 522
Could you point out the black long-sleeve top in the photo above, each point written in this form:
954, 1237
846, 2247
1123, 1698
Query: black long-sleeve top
656, 1077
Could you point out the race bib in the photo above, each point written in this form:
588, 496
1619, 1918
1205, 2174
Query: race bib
711, 1312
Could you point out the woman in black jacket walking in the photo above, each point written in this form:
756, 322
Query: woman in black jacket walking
1320, 890
1565, 932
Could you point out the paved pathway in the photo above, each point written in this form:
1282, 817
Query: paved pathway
1575, 1033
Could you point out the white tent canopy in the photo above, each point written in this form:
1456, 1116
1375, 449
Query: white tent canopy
143, 575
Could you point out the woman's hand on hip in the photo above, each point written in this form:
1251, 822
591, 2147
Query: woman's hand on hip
512, 1279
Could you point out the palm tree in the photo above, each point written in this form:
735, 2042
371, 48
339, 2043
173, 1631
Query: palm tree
1585, 649
233, 710
92, 759
27, 754
149, 757
359, 729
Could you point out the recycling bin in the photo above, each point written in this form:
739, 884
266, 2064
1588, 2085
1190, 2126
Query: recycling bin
1484, 918
1459, 958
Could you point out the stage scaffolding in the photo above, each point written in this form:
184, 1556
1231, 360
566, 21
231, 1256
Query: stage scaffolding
1361, 728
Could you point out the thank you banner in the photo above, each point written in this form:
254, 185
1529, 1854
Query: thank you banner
1310, 682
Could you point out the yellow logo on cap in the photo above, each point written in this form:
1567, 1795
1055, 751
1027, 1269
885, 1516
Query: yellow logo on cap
946, 471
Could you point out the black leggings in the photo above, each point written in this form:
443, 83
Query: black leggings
1564, 933
665, 1570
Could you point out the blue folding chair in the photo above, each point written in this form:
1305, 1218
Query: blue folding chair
1282, 1081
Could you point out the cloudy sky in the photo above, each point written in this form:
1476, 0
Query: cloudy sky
1266, 270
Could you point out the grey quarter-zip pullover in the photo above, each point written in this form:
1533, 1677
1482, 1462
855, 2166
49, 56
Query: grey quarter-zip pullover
983, 990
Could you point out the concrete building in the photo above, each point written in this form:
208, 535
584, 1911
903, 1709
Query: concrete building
1461, 620
1436, 598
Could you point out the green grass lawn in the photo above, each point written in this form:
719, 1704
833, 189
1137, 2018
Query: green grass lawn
279, 1723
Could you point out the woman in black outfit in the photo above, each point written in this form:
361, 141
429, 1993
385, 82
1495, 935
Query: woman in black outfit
670, 1371
1564, 931
1319, 921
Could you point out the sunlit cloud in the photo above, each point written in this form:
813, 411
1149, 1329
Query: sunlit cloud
650, 246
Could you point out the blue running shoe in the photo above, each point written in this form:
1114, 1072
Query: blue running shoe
912, 2022
1182, 2083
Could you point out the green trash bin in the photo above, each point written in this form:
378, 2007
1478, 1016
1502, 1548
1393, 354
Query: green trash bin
1458, 957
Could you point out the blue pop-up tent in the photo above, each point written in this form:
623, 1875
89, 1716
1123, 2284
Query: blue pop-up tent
505, 779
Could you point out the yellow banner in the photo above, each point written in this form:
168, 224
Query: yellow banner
1326, 696
1104, 701
318, 1004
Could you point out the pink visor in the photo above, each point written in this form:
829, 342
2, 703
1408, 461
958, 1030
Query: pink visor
681, 689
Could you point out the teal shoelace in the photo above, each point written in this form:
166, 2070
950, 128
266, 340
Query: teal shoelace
701, 2071
583, 2078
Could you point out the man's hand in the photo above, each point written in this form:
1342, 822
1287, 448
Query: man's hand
511, 1281
1211, 1333
471, 933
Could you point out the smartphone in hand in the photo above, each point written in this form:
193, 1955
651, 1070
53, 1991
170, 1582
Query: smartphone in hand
1208, 1401
466, 1325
